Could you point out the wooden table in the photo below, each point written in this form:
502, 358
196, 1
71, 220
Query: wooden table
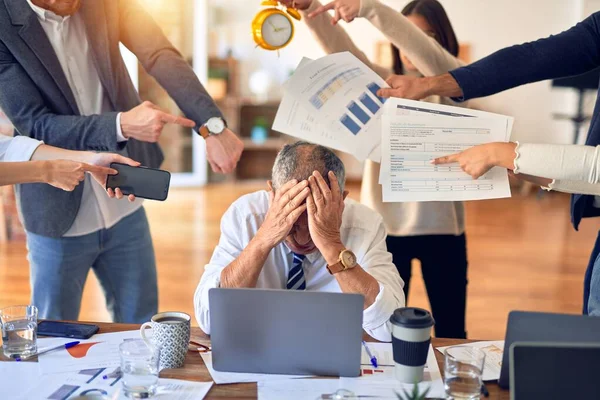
195, 370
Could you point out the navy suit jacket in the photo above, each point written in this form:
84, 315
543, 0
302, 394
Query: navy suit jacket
36, 97
571, 52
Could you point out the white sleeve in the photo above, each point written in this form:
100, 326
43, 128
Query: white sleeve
18, 148
426, 54
576, 187
229, 248
335, 39
559, 161
377, 262
120, 137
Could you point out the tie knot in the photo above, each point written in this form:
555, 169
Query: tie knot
298, 257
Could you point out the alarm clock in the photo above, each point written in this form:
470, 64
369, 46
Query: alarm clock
272, 28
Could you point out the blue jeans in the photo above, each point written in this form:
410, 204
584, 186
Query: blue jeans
591, 282
122, 258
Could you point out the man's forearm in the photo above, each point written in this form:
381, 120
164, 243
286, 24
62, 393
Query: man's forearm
442, 85
357, 280
244, 271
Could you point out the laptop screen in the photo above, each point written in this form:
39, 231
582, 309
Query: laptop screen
555, 371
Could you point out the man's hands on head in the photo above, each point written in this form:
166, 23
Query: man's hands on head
223, 151
286, 206
325, 208
146, 122
416, 88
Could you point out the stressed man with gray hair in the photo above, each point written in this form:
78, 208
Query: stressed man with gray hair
303, 234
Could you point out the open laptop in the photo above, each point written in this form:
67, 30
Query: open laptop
554, 371
546, 327
286, 332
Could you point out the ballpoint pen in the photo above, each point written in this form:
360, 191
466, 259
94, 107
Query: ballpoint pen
484, 390
62, 346
371, 356
115, 374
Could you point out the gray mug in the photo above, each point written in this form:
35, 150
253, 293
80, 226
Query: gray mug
171, 333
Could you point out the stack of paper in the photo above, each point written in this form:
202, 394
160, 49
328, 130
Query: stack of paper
414, 133
332, 101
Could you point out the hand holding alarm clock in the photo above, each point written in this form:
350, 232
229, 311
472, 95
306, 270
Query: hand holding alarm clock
273, 28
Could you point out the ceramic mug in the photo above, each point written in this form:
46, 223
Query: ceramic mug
171, 333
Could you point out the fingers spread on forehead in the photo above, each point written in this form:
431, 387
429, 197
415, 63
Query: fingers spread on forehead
289, 196
285, 188
299, 198
335, 187
315, 192
322, 184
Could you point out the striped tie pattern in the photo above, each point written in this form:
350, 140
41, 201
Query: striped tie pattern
296, 280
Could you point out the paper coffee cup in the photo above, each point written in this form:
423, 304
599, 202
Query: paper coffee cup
411, 335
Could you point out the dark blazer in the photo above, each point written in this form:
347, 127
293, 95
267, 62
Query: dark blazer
571, 52
35, 94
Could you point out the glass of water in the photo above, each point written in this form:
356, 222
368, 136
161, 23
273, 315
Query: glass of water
19, 330
463, 368
139, 368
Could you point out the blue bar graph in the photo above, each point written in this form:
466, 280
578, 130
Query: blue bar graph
373, 88
350, 124
368, 102
358, 112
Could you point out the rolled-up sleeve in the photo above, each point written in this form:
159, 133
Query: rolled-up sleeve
19, 148
377, 262
229, 248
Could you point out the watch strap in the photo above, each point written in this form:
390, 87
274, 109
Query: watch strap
335, 268
204, 132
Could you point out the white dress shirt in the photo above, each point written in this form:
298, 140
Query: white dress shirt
16, 149
362, 232
68, 38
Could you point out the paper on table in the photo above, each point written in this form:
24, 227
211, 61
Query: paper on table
66, 385
239, 377
297, 389
493, 357
100, 351
409, 143
382, 351
17, 377
339, 91
382, 383
403, 107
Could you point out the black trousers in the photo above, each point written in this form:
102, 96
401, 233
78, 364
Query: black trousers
444, 268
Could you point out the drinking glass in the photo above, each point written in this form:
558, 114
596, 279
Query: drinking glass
463, 367
139, 366
19, 330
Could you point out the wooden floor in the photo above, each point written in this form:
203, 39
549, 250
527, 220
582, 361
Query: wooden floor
523, 254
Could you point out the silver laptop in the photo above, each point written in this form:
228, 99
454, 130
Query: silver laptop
286, 332
554, 371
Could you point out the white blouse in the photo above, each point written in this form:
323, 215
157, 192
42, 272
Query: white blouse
19, 148
574, 168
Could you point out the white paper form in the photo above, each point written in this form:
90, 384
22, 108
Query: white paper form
339, 92
382, 351
493, 357
240, 377
409, 143
403, 107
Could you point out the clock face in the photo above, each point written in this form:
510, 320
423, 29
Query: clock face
277, 30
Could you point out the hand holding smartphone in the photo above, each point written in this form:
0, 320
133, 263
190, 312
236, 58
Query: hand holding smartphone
147, 183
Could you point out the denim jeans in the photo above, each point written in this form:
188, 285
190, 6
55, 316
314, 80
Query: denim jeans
593, 300
122, 258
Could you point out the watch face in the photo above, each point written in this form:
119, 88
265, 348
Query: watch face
348, 259
277, 30
215, 125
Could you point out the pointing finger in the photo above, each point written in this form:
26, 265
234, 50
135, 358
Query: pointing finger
322, 9
446, 159
173, 119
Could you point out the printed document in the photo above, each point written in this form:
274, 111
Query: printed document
333, 101
413, 136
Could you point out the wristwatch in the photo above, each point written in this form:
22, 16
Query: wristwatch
346, 260
214, 126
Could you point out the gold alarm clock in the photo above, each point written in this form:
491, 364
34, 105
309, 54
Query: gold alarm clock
272, 28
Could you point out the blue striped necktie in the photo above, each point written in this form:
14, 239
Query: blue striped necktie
296, 280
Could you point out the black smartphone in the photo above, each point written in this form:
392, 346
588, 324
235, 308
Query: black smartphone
66, 329
147, 183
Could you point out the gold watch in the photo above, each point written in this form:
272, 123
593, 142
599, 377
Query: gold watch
346, 260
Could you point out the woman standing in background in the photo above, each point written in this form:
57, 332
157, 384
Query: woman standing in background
423, 44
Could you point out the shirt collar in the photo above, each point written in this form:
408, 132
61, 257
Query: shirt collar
44, 14
312, 257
